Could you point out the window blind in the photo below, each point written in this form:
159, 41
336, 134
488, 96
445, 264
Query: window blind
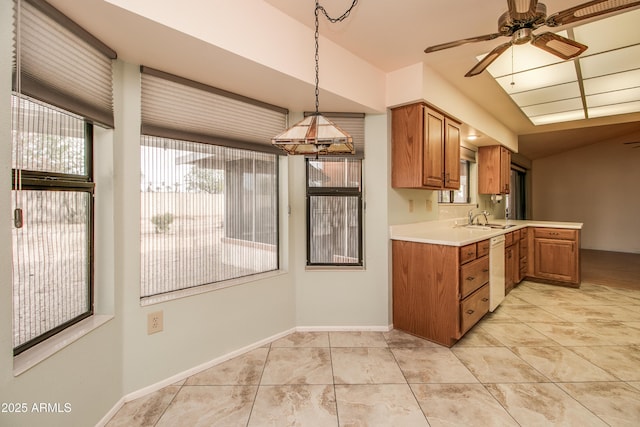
62, 64
178, 108
353, 124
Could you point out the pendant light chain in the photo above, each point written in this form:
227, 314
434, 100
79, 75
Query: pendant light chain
317, 36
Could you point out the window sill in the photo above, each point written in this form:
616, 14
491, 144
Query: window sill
31, 357
183, 293
334, 268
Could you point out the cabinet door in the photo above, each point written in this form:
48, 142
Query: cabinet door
451, 155
433, 151
556, 260
407, 143
509, 255
505, 170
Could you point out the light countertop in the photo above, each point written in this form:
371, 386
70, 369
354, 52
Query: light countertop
454, 233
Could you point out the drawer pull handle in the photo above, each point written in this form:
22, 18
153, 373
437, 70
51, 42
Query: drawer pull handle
485, 299
469, 311
470, 253
470, 278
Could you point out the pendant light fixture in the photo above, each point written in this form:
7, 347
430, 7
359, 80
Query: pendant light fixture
316, 134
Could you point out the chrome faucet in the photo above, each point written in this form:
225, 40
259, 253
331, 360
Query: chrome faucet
473, 217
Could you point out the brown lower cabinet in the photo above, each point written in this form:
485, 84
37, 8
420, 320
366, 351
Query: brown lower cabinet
439, 291
556, 255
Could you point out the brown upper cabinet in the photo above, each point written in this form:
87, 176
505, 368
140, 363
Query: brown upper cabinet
494, 169
425, 148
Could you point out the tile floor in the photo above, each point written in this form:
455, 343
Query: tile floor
548, 356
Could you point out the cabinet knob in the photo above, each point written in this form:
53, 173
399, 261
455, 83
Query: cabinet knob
470, 311
485, 270
470, 278
485, 299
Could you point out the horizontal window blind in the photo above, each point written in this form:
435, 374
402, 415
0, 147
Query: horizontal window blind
353, 124
62, 64
209, 214
178, 108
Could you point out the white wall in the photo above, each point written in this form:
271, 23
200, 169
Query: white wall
199, 328
596, 185
341, 298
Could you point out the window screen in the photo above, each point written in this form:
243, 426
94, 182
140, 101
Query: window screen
52, 186
334, 211
209, 214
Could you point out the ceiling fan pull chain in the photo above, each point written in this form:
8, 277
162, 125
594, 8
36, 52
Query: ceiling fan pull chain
513, 83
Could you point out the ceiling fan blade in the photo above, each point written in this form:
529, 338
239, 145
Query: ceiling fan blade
522, 10
588, 10
487, 60
561, 47
461, 42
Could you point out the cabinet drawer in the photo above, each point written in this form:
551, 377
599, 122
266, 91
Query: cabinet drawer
473, 275
473, 308
467, 253
555, 233
482, 249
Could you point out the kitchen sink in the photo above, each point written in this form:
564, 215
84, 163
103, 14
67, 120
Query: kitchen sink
501, 226
489, 226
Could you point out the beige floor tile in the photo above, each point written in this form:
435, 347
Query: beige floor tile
594, 313
223, 406
497, 365
460, 405
297, 366
365, 366
517, 334
569, 334
357, 339
617, 333
511, 299
378, 405
245, 369
499, 315
398, 338
621, 361
542, 404
561, 364
530, 313
635, 384
432, 365
294, 405
303, 339
144, 411
478, 337
616, 403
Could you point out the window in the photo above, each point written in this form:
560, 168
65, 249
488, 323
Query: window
334, 211
62, 86
209, 185
462, 194
209, 214
52, 250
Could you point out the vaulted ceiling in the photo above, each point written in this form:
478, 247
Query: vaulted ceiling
389, 35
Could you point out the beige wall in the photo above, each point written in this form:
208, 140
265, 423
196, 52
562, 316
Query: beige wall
596, 185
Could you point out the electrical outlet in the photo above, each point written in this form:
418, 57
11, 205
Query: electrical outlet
154, 322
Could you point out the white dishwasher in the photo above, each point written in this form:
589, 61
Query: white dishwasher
496, 271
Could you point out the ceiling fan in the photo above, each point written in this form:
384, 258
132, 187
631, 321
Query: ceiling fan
525, 16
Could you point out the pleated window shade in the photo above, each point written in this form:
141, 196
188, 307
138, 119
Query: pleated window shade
178, 108
62, 64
